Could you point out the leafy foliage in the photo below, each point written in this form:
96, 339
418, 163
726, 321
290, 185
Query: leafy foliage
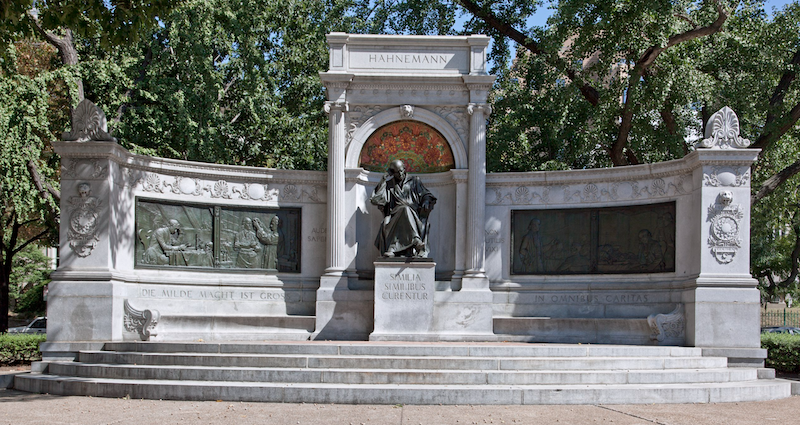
20, 348
783, 351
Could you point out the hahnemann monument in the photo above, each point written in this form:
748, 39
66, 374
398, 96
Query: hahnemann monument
175, 251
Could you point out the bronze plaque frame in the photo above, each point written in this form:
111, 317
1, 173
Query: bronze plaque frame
183, 235
630, 239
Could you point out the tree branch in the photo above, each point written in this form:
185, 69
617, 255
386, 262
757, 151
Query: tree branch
30, 241
589, 93
770, 135
640, 69
65, 46
43, 187
773, 182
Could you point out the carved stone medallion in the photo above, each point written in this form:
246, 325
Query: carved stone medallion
85, 210
723, 236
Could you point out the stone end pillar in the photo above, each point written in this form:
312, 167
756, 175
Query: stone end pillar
722, 303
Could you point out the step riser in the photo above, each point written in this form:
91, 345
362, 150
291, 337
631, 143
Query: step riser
376, 377
399, 350
437, 395
345, 362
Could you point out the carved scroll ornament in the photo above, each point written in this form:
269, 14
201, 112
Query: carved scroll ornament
142, 322
670, 325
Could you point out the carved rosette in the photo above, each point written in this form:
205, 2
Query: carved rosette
671, 325
723, 236
151, 183
722, 132
142, 322
88, 124
85, 210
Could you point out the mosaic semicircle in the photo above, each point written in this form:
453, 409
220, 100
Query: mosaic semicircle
421, 147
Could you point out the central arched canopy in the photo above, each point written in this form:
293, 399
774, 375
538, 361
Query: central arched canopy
371, 127
421, 147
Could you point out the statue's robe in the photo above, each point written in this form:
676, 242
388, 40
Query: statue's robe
404, 218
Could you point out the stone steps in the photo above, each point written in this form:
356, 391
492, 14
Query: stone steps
407, 373
400, 376
406, 394
402, 362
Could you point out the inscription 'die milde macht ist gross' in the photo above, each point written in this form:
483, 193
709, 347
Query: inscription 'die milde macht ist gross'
404, 286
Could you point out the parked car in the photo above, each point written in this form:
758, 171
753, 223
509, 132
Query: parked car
781, 330
37, 326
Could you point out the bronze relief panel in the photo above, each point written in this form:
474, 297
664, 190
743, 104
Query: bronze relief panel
632, 239
204, 236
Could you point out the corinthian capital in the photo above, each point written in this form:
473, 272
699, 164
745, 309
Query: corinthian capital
336, 106
481, 107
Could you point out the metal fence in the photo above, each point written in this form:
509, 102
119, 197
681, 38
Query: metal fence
780, 318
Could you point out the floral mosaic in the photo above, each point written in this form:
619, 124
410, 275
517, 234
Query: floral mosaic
418, 145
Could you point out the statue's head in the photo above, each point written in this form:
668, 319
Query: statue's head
174, 225
534, 225
397, 170
247, 223
273, 224
645, 236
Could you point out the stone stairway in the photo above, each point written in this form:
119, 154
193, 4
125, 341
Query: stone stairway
405, 373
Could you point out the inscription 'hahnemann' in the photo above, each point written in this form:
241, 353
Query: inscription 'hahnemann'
407, 58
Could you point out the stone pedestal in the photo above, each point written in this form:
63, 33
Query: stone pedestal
404, 291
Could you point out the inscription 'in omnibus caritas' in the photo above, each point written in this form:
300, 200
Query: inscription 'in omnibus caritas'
407, 58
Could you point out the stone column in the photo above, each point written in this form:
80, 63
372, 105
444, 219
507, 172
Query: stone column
335, 259
474, 275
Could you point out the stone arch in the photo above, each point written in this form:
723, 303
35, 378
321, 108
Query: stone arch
422, 115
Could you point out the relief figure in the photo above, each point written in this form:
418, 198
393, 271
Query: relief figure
270, 238
164, 248
651, 256
246, 244
530, 249
405, 203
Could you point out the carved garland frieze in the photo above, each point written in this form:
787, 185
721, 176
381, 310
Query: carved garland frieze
152, 182
727, 176
70, 169
588, 193
83, 216
724, 234
671, 325
142, 322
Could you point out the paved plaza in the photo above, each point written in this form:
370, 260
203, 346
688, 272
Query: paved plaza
18, 407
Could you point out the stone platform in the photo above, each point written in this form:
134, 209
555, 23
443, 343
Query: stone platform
406, 373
